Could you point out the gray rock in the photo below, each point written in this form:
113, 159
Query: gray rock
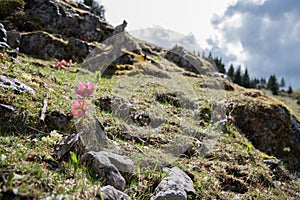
67, 20
15, 85
120, 28
111, 52
122, 163
46, 45
58, 120
183, 58
94, 138
3, 36
177, 186
13, 38
6, 111
110, 193
107, 166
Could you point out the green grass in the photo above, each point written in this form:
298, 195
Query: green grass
28, 160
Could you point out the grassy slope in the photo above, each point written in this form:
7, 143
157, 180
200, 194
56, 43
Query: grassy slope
27, 162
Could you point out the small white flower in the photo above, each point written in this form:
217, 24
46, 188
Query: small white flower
3, 157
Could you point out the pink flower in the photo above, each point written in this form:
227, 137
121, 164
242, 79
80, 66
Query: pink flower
58, 64
63, 63
78, 108
85, 89
70, 62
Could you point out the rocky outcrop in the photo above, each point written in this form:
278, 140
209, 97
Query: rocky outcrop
185, 59
177, 186
271, 127
66, 19
49, 46
56, 29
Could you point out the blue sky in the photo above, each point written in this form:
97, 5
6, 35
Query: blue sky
262, 35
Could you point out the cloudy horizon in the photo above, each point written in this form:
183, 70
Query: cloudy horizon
262, 35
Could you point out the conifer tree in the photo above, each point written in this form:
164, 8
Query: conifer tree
238, 77
246, 79
273, 85
290, 90
231, 72
282, 82
219, 65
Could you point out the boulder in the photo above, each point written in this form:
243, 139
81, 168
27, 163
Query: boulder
13, 38
177, 186
115, 50
189, 61
110, 193
271, 128
108, 166
58, 120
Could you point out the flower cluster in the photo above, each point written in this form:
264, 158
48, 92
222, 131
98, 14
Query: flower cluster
84, 90
53, 138
63, 63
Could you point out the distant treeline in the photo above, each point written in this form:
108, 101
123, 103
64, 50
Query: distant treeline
243, 78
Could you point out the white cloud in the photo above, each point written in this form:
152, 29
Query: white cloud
262, 35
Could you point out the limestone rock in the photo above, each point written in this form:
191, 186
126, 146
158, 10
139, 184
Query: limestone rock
13, 38
177, 186
120, 28
122, 163
112, 52
3, 37
110, 193
15, 85
185, 59
58, 120
271, 128
67, 20
6, 111
46, 45
108, 166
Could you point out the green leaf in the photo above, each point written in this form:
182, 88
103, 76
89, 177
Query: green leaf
73, 157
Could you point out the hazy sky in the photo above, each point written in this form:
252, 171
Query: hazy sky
262, 35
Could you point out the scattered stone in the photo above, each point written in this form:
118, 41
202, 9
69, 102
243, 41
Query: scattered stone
272, 163
15, 85
14, 194
6, 111
3, 36
108, 166
110, 193
177, 186
71, 143
58, 120
122, 163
